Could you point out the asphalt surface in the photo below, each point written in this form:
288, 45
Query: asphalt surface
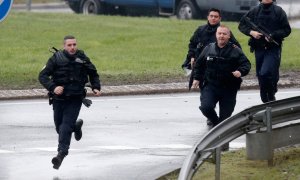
124, 137
176, 87
119, 141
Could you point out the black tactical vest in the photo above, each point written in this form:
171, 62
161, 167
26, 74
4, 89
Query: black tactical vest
70, 73
219, 67
268, 20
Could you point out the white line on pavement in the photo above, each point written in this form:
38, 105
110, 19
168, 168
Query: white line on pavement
154, 97
160, 146
108, 147
233, 145
5, 151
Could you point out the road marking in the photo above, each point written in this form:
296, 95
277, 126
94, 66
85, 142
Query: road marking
233, 145
171, 146
5, 151
146, 97
23, 103
114, 147
183, 96
160, 146
50, 149
237, 145
108, 147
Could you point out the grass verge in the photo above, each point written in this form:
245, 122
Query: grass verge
126, 50
235, 166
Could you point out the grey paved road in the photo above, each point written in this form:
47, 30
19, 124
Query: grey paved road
125, 137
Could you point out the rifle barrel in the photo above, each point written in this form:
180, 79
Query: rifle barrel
257, 28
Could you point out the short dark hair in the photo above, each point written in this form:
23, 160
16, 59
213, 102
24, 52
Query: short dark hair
69, 37
215, 10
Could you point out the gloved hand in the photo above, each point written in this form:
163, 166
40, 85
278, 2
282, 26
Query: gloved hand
87, 102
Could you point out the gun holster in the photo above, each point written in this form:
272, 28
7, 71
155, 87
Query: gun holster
50, 96
251, 43
186, 63
87, 102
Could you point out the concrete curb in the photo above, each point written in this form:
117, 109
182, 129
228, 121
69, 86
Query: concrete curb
136, 89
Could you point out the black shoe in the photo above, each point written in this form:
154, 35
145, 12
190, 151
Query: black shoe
78, 131
57, 160
225, 147
209, 123
264, 97
272, 96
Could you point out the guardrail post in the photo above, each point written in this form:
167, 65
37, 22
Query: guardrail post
218, 163
259, 145
268, 121
28, 5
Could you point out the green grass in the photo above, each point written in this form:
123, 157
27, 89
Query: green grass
126, 50
36, 1
235, 166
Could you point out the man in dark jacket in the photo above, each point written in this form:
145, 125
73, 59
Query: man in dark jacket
204, 35
65, 76
272, 20
221, 66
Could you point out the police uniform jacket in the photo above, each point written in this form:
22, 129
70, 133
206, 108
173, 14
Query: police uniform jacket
215, 66
203, 36
70, 71
270, 18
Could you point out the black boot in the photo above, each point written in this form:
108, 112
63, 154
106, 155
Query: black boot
225, 147
57, 160
264, 96
208, 122
271, 95
77, 130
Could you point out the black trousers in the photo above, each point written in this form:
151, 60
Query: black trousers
65, 115
267, 71
210, 96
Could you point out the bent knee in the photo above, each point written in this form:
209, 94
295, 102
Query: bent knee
206, 108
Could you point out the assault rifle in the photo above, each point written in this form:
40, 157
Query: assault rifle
189, 71
262, 30
200, 47
191, 78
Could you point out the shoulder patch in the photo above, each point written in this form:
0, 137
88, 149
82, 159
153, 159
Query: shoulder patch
234, 46
80, 61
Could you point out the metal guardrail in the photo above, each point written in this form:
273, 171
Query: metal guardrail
250, 119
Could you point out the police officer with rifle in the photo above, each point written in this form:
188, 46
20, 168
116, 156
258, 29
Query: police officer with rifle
65, 76
267, 25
